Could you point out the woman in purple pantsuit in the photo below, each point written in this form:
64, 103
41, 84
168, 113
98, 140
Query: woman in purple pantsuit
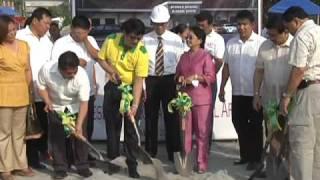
196, 72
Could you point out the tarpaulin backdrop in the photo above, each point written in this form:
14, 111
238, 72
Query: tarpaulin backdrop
224, 12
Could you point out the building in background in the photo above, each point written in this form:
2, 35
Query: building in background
30, 5
107, 15
111, 12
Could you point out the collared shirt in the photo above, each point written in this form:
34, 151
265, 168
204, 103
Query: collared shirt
215, 44
64, 93
129, 63
305, 50
172, 47
40, 52
67, 43
273, 59
241, 58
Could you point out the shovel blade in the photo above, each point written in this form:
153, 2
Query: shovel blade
183, 163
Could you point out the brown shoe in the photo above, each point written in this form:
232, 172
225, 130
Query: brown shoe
6, 176
24, 172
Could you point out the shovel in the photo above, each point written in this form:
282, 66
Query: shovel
183, 162
92, 150
146, 158
283, 123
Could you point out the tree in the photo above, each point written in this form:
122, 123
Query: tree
62, 11
317, 2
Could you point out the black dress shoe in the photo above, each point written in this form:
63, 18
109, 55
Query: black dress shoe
133, 173
252, 166
85, 172
59, 174
38, 166
240, 162
112, 169
91, 158
91, 161
262, 174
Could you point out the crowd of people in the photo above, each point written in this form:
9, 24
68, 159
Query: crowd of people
57, 75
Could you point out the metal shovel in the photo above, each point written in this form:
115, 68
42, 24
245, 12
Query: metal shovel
92, 150
146, 158
183, 162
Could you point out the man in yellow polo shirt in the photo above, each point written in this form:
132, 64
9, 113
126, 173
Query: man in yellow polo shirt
127, 62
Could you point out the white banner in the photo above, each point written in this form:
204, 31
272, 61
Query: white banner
223, 128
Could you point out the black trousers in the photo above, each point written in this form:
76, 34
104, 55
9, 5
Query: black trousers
90, 117
36, 146
248, 125
61, 146
161, 89
113, 122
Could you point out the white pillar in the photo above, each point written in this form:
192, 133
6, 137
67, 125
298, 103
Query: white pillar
73, 7
260, 14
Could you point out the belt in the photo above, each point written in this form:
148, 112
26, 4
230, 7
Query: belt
313, 82
167, 75
305, 83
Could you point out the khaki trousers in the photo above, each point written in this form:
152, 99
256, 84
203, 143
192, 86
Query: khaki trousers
12, 133
304, 134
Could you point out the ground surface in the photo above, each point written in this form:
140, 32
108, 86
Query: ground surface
221, 167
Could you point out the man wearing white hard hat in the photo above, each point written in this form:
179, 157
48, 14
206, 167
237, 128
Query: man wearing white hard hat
164, 48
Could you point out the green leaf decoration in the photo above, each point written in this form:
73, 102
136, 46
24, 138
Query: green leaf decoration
126, 98
182, 104
272, 110
68, 122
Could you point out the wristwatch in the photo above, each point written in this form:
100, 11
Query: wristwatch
195, 77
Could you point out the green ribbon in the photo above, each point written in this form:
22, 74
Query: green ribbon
68, 122
182, 104
126, 98
272, 110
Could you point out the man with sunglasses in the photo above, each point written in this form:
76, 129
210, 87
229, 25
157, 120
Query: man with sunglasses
164, 48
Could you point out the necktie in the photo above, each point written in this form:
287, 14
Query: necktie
159, 58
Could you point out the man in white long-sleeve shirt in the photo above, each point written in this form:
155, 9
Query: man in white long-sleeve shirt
40, 50
164, 49
64, 86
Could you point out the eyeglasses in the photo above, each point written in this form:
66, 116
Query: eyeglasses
135, 37
189, 37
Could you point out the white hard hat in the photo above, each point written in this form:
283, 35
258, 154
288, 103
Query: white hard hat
160, 14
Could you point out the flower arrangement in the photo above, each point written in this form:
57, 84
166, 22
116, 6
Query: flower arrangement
182, 104
272, 110
68, 122
126, 98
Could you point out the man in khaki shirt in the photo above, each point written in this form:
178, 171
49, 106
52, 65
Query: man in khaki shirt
303, 91
273, 70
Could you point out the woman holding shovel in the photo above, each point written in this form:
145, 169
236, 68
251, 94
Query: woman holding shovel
196, 72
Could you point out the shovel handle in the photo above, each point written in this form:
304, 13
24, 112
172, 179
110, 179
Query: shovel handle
73, 132
183, 124
133, 120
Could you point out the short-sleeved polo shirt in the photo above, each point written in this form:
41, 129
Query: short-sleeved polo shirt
128, 63
241, 58
305, 50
